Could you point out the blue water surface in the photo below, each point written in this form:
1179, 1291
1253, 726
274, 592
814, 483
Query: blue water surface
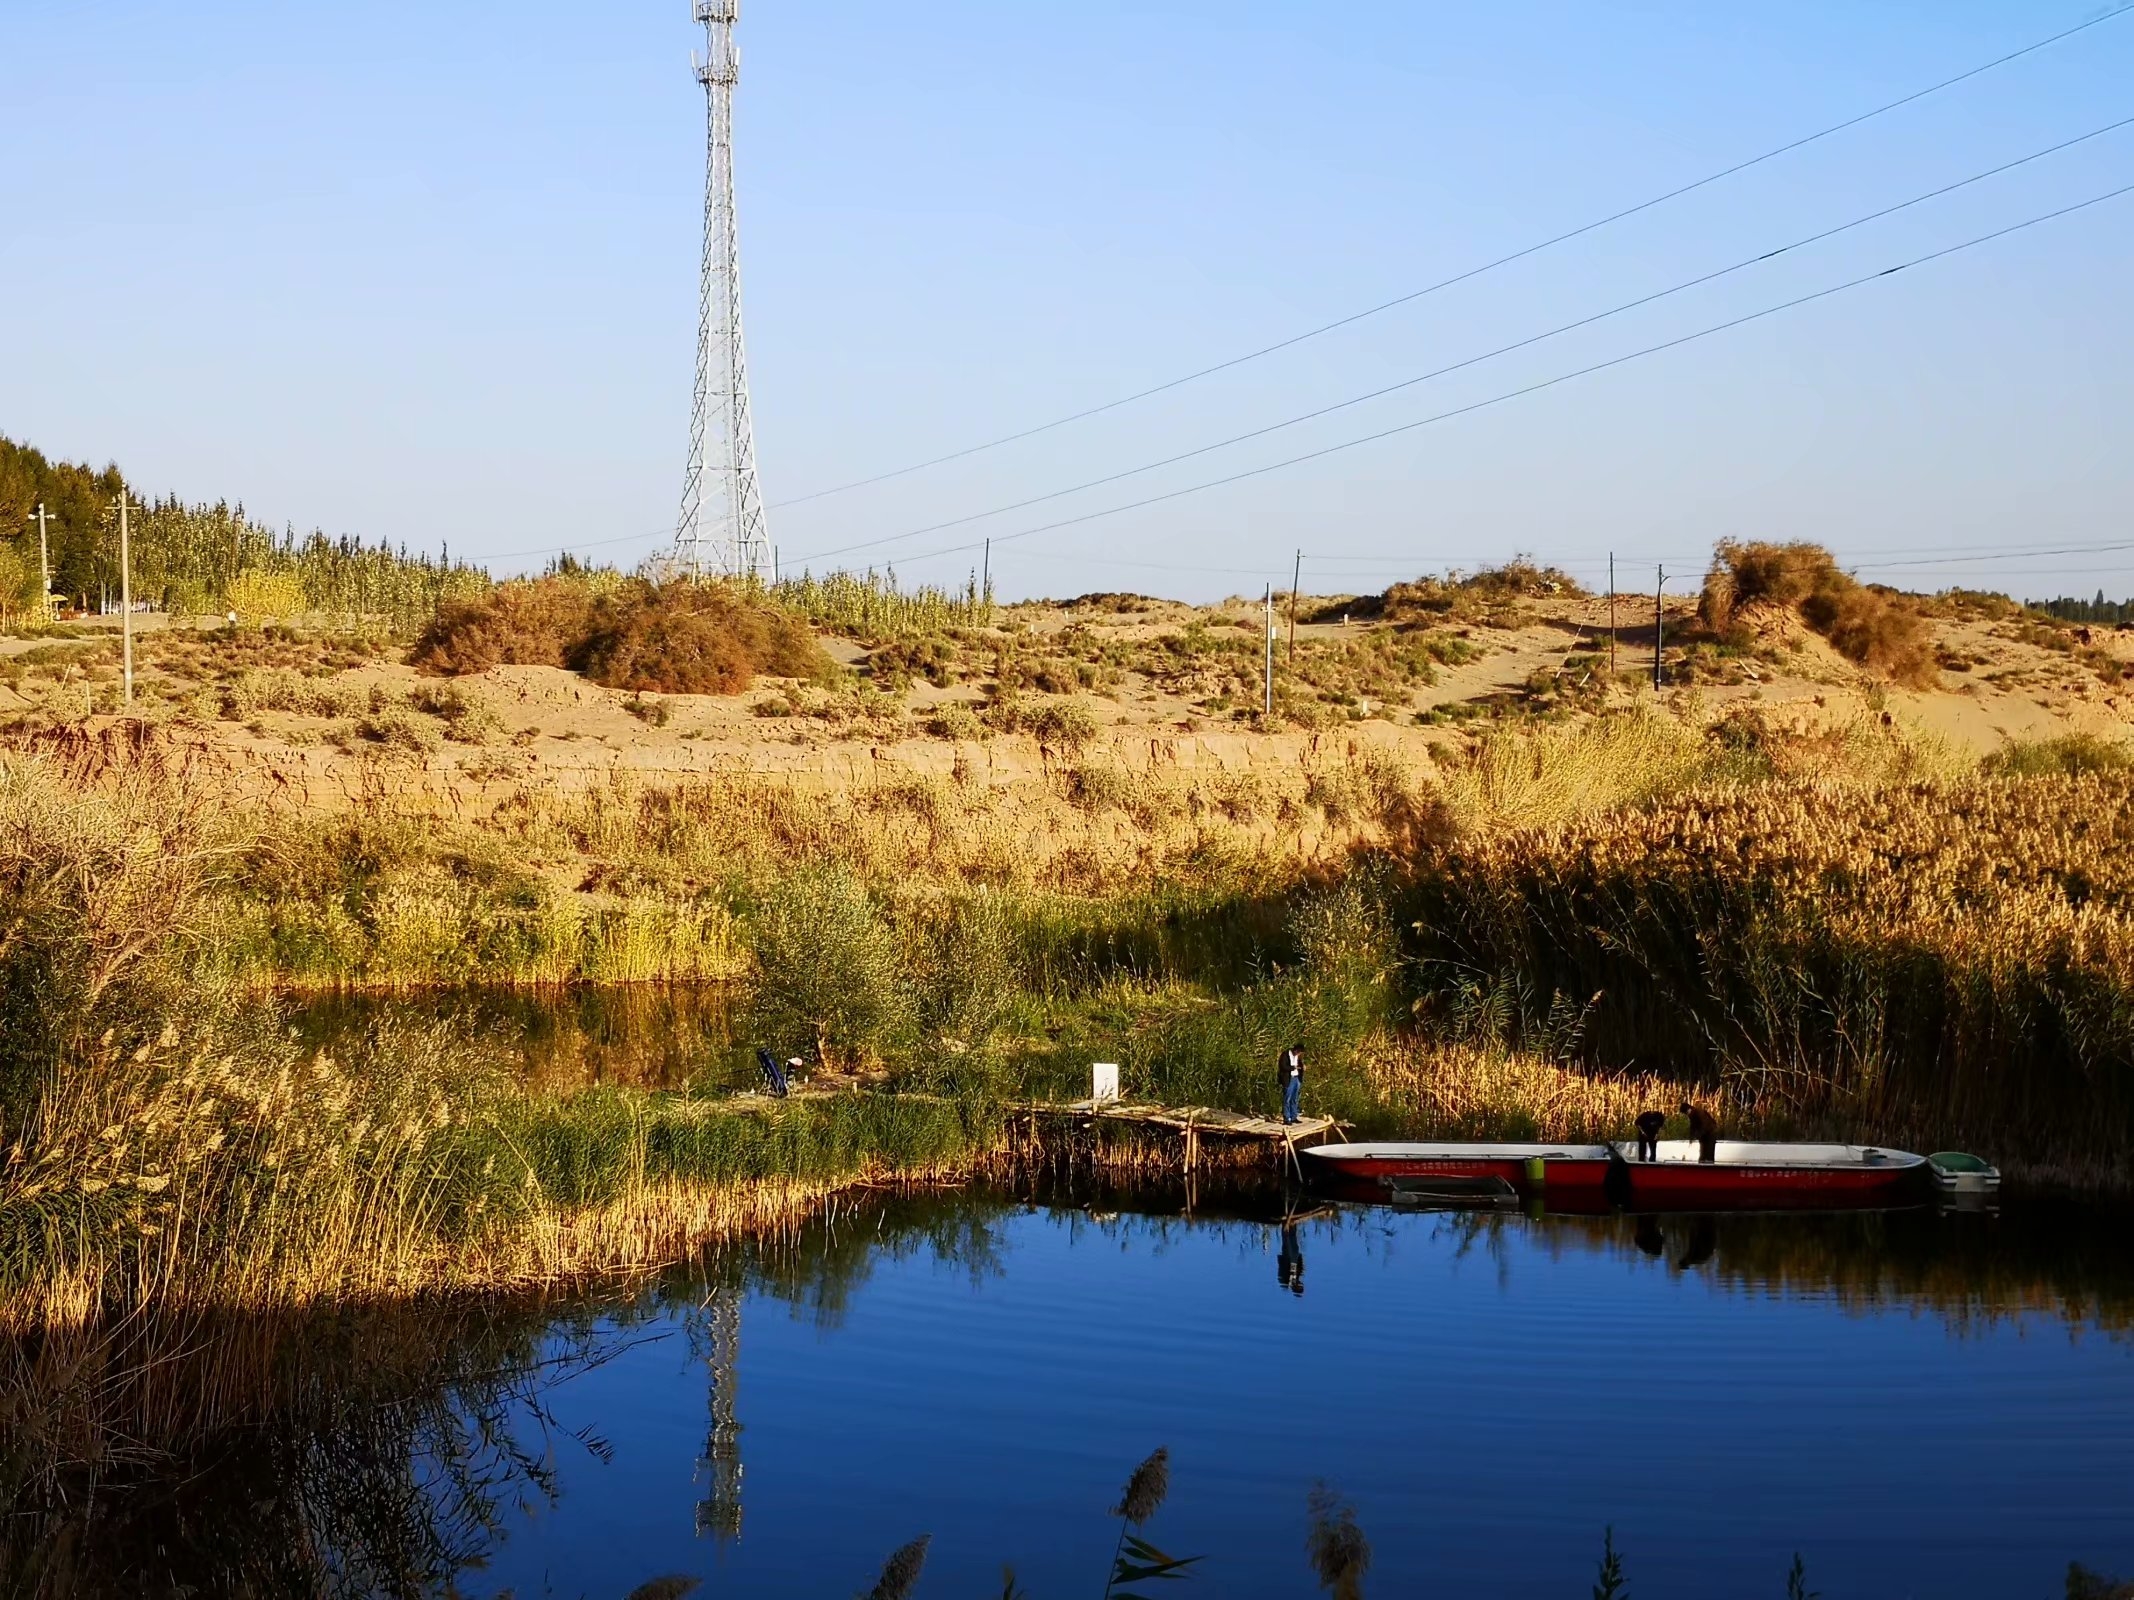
1490, 1395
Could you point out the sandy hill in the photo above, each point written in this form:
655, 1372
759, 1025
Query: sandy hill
1123, 677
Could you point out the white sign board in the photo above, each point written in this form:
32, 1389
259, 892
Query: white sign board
1103, 1081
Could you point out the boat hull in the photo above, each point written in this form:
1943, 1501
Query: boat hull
1956, 1173
1583, 1176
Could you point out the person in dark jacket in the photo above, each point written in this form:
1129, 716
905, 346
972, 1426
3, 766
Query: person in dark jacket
1289, 1073
1704, 1128
1649, 1125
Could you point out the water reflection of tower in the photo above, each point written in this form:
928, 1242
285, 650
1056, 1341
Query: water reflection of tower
719, 1513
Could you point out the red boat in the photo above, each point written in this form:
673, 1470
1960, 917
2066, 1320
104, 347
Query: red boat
1742, 1173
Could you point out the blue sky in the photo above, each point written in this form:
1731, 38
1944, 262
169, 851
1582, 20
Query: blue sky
429, 272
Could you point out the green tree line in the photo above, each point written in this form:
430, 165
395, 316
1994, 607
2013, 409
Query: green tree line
190, 558
2100, 609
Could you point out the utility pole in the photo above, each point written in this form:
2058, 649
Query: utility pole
1611, 613
1659, 625
1296, 577
44, 569
1268, 708
126, 595
985, 585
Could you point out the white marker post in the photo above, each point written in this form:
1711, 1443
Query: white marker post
1103, 1082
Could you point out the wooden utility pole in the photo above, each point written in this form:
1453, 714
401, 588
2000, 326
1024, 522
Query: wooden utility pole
1659, 625
44, 569
1296, 577
1611, 613
1268, 704
126, 596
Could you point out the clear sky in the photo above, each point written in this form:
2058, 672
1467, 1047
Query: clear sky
428, 271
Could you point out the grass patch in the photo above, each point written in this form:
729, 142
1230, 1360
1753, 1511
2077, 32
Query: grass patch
2067, 755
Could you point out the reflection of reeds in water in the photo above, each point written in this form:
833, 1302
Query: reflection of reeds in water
1340, 1554
379, 1436
900, 1573
369, 1451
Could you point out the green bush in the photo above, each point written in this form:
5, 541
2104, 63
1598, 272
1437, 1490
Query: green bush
831, 966
2069, 755
955, 721
399, 727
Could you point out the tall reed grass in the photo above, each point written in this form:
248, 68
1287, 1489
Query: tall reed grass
1944, 963
875, 608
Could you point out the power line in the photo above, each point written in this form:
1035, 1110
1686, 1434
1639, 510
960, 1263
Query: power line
1460, 277
1400, 568
1476, 360
1997, 555
1534, 388
579, 544
1390, 560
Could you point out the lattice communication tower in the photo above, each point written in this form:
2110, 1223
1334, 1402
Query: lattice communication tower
722, 529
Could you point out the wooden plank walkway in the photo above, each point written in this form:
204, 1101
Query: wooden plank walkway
1194, 1123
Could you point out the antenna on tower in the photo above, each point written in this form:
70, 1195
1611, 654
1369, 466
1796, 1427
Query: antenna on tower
721, 529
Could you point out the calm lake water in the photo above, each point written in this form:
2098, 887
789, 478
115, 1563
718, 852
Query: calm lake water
1920, 1404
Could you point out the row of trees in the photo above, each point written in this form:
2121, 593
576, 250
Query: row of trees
2097, 610
201, 558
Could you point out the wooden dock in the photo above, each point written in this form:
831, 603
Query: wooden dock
1192, 1125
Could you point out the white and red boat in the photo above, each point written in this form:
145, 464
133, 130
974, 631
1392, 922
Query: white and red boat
1742, 1173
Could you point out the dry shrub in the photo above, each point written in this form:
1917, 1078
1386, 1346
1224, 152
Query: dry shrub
684, 638
536, 623
1523, 578
1966, 605
675, 638
1490, 596
1877, 628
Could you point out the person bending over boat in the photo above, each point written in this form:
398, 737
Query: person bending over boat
1649, 1125
1289, 1073
1704, 1128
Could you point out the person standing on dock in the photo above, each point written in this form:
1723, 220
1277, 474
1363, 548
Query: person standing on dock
1289, 1073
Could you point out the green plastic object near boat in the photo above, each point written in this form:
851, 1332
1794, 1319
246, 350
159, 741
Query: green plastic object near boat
1958, 1173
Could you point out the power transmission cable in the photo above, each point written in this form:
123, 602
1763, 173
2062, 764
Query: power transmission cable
1462, 365
1596, 563
1535, 388
579, 544
1997, 555
1462, 277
